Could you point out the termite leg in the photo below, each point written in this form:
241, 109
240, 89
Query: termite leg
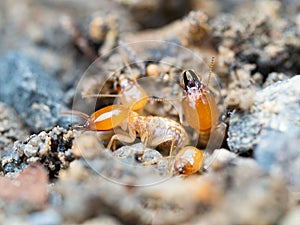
172, 146
216, 139
171, 151
133, 57
128, 138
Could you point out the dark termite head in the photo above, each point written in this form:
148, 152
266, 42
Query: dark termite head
189, 79
179, 166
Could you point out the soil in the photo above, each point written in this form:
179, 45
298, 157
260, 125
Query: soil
54, 169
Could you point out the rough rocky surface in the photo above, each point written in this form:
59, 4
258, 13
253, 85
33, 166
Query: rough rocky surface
274, 109
30, 90
11, 128
279, 154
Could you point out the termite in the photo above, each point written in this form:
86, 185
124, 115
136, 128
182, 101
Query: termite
130, 93
199, 106
188, 160
153, 130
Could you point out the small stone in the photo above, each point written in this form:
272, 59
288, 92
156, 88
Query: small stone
30, 185
137, 153
152, 70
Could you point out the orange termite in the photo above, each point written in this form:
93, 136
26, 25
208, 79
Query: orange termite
199, 106
153, 130
130, 93
188, 160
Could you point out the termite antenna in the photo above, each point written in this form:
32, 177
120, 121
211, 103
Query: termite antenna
132, 56
78, 38
159, 99
75, 113
211, 66
77, 126
128, 66
101, 95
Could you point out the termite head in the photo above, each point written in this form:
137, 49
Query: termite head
132, 95
188, 161
190, 80
123, 83
191, 83
180, 166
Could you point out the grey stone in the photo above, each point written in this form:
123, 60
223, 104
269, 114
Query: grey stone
279, 154
275, 108
34, 94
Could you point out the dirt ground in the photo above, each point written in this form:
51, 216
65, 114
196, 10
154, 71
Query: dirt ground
61, 61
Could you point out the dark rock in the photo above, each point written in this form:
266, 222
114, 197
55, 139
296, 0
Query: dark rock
265, 37
36, 97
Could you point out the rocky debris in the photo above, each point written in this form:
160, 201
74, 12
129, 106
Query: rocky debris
279, 154
11, 128
28, 186
274, 77
245, 194
52, 149
85, 200
275, 108
36, 97
264, 37
155, 13
216, 196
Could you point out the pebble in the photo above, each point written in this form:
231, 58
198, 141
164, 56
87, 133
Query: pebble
275, 108
29, 186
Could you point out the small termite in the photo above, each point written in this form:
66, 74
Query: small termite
188, 160
130, 93
199, 106
153, 130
